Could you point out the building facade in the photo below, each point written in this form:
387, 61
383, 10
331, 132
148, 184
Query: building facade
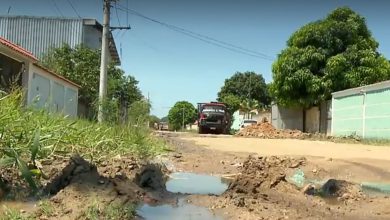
362, 111
43, 88
39, 34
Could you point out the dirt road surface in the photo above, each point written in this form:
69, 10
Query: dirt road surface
249, 196
292, 147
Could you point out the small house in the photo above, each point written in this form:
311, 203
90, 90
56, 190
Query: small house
43, 88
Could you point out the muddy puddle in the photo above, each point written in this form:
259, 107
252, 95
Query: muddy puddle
190, 183
185, 183
181, 210
27, 206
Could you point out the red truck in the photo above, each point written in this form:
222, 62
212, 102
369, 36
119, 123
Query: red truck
213, 117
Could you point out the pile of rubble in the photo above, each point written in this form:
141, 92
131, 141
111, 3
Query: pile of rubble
262, 173
266, 130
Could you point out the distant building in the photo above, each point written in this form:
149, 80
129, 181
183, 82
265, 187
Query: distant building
239, 116
39, 34
43, 88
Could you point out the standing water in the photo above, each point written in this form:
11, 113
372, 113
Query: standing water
191, 183
181, 211
186, 183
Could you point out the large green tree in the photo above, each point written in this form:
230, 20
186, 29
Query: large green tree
81, 65
244, 86
325, 56
180, 110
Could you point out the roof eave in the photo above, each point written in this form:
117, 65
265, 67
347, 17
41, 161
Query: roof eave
362, 89
112, 46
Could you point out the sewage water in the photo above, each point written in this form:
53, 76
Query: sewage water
186, 183
181, 211
191, 183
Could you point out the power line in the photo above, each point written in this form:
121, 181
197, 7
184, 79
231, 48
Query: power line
74, 9
127, 13
58, 9
203, 38
117, 16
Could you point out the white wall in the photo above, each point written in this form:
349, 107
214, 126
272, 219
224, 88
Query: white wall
47, 91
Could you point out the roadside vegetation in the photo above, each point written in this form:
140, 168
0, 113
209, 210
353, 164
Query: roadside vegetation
27, 135
181, 114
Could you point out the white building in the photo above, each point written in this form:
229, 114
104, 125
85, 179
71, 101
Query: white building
44, 88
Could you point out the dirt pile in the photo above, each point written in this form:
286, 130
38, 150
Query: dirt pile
342, 190
264, 173
266, 130
74, 188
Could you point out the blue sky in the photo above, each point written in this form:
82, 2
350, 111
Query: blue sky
173, 67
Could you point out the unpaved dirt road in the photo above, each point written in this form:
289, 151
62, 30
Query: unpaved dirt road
251, 198
356, 162
291, 147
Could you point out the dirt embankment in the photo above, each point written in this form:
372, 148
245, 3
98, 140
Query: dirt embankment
77, 189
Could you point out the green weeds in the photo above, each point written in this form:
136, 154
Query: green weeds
114, 211
12, 214
27, 135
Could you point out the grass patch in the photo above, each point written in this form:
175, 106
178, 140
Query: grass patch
114, 211
12, 214
27, 135
46, 207
118, 211
92, 212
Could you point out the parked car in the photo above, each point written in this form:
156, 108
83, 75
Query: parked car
247, 122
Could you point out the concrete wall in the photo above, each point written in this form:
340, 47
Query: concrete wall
312, 120
316, 119
46, 91
365, 114
92, 37
326, 117
347, 116
287, 118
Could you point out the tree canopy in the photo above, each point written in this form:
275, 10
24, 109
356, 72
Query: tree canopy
244, 86
82, 66
175, 115
325, 56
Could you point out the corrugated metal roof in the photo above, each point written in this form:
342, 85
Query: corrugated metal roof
40, 34
17, 48
368, 88
28, 54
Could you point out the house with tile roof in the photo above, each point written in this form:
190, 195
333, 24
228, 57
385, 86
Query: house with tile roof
44, 89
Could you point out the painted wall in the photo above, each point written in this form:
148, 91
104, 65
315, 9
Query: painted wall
46, 91
366, 115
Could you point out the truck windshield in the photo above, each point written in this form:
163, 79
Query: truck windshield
213, 108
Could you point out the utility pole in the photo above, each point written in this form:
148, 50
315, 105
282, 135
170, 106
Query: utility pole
183, 119
103, 59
